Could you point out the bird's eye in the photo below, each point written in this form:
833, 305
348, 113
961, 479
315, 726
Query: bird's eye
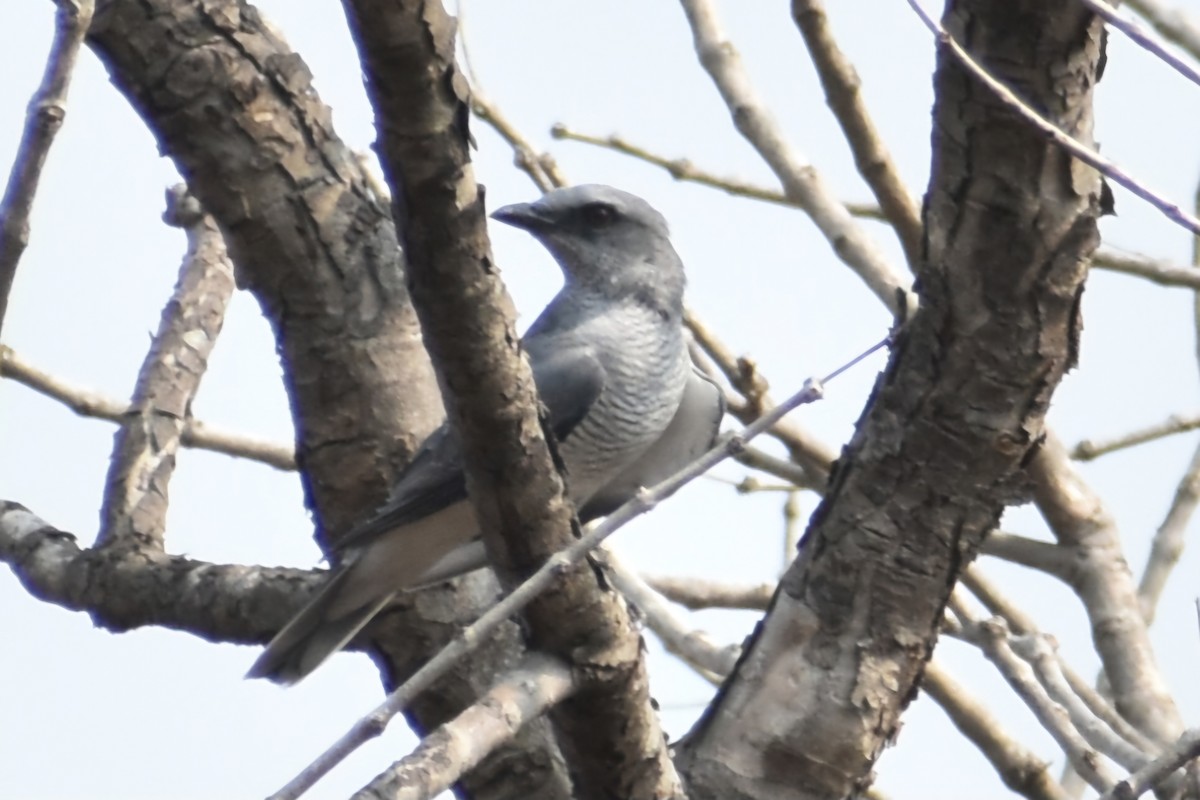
598, 215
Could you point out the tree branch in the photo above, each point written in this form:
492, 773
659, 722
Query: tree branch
44, 117
1090, 449
422, 113
1068, 143
134, 513
941, 448
842, 93
234, 107
1079, 520
1019, 768
537, 684
698, 593
801, 181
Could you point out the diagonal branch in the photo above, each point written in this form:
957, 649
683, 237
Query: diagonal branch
1087, 155
468, 321
43, 119
134, 513
843, 95
800, 180
1079, 520
537, 684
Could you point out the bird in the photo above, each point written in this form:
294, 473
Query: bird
628, 407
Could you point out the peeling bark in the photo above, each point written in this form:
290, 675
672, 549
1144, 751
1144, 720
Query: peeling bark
1010, 221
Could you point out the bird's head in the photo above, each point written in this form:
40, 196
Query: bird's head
607, 241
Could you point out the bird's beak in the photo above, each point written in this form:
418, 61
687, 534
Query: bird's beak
526, 216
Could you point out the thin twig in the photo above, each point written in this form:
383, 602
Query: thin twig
1041, 653
1052, 131
683, 169
1172, 22
844, 96
1089, 449
478, 632
444, 755
45, 115
1143, 38
87, 403
743, 374
800, 179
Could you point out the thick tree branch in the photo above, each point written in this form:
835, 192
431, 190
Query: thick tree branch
233, 106
422, 113
45, 115
124, 589
134, 513
942, 446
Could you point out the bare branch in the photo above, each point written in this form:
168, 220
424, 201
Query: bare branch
701, 593
1022, 624
682, 169
1089, 449
992, 637
1044, 556
1019, 768
87, 403
1160, 272
743, 374
696, 647
124, 589
1148, 777
1040, 652
1080, 521
45, 115
1085, 154
967, 384
871, 156
801, 181
444, 755
134, 513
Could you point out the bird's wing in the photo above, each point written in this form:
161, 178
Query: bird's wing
692, 431
569, 381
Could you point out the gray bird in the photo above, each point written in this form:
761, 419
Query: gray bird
610, 361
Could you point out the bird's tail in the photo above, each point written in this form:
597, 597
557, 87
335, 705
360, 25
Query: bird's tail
316, 633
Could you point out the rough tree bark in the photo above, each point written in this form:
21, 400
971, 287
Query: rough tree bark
612, 737
1010, 222
234, 108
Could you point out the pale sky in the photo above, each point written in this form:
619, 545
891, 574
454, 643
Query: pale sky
154, 714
